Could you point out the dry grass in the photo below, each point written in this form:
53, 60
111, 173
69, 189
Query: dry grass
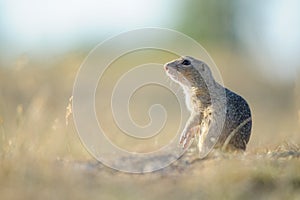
42, 158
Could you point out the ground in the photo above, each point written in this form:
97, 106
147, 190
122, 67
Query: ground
274, 174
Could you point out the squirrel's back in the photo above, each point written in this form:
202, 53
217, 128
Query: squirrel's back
237, 126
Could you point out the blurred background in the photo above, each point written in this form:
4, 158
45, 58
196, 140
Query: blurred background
255, 44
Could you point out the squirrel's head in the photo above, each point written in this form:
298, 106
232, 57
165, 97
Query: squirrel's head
189, 72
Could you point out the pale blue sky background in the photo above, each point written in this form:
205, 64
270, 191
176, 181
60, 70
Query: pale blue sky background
268, 30
34, 25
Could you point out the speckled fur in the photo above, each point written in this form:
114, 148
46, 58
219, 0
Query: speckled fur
196, 79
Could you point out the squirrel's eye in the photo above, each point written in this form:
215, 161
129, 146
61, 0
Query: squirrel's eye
186, 62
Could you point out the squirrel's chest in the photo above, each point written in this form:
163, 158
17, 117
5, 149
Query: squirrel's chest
188, 101
205, 123
192, 103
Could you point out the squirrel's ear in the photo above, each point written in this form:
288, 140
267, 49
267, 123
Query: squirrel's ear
203, 66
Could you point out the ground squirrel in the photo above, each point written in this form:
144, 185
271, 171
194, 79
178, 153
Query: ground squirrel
196, 79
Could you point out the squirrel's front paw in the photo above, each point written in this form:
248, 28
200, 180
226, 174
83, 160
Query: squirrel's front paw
187, 136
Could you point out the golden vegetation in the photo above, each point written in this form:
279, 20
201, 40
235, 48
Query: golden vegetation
41, 156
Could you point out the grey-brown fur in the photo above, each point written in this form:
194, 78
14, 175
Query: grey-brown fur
197, 81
